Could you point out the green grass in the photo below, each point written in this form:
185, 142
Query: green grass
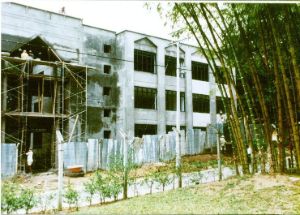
238, 195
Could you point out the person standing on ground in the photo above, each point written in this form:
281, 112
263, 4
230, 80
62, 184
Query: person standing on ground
29, 159
249, 152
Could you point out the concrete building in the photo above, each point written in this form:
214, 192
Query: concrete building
148, 85
123, 80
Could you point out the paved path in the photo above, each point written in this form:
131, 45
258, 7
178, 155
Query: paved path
137, 189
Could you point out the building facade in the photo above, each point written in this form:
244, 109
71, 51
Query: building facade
129, 82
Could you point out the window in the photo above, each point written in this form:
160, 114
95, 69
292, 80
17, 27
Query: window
169, 128
144, 61
107, 69
220, 77
107, 48
145, 98
106, 91
144, 129
37, 140
200, 128
220, 105
107, 134
106, 113
199, 71
170, 66
201, 103
171, 100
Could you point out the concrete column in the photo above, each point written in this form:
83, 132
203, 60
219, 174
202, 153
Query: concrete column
212, 97
188, 90
129, 86
161, 91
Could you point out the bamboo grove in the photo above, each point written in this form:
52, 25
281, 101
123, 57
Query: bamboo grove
257, 46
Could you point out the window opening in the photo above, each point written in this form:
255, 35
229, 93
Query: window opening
220, 76
107, 69
144, 129
220, 105
201, 103
107, 112
144, 61
107, 48
199, 71
171, 101
170, 66
107, 134
145, 98
106, 91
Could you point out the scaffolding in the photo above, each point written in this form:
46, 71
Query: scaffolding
39, 97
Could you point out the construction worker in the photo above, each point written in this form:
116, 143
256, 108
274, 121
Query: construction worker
24, 55
29, 159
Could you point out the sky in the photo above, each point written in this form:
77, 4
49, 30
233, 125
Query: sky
112, 15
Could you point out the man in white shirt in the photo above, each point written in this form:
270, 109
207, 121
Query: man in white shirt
249, 152
29, 159
24, 55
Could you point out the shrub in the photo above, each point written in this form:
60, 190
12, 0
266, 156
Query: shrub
99, 186
10, 201
71, 196
149, 181
115, 184
196, 179
91, 188
162, 178
28, 199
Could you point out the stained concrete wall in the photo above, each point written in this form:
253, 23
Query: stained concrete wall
72, 41
63, 32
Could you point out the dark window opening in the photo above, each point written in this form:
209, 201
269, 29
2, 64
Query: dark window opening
200, 128
200, 103
107, 48
144, 61
107, 69
220, 104
220, 76
199, 71
144, 129
37, 140
170, 66
145, 98
171, 101
107, 134
106, 91
107, 112
169, 128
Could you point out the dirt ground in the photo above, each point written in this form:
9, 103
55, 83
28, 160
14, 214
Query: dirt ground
48, 180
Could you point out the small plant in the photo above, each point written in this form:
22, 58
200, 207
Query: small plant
91, 188
99, 183
71, 196
149, 181
28, 199
196, 179
10, 200
115, 185
163, 179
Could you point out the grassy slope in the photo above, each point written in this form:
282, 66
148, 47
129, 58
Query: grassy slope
259, 194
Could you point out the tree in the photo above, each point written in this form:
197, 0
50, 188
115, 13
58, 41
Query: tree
259, 43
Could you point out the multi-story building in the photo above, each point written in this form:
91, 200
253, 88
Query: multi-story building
124, 80
148, 85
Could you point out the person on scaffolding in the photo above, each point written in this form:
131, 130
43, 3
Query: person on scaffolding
29, 160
